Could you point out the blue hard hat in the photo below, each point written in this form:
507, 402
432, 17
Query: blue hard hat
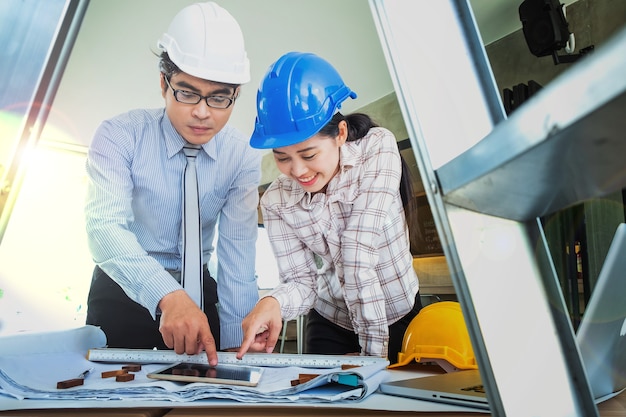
297, 97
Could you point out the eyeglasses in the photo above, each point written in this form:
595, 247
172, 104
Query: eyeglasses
188, 97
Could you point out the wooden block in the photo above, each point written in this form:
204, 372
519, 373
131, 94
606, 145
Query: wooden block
302, 378
110, 374
307, 376
125, 377
69, 383
132, 367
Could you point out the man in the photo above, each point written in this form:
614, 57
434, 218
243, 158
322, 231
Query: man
134, 206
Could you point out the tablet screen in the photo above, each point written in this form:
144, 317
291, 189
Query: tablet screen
219, 374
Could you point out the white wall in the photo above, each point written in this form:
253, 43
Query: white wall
113, 68
45, 267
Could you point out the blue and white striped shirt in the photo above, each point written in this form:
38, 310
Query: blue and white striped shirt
133, 211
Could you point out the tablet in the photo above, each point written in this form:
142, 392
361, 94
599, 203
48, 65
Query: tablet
219, 374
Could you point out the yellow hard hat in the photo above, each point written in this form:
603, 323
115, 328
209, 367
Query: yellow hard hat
438, 334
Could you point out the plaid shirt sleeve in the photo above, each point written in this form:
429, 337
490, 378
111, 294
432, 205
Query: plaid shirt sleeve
296, 262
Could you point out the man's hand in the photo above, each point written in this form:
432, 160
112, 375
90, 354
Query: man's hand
185, 328
261, 327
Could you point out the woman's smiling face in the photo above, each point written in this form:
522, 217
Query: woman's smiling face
314, 162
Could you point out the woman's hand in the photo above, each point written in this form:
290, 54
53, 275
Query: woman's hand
261, 328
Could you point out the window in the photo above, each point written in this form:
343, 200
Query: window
37, 37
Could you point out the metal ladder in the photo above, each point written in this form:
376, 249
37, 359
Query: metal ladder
488, 179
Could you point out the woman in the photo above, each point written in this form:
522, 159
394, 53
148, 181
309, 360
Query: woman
335, 218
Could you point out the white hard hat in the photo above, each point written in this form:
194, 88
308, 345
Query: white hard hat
205, 41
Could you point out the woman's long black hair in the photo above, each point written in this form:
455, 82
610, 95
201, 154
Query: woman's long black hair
358, 126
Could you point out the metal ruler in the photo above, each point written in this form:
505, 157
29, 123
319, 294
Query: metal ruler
254, 359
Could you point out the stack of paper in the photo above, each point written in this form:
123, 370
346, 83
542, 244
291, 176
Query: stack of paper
31, 366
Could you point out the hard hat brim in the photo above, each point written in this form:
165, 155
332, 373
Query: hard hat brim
261, 141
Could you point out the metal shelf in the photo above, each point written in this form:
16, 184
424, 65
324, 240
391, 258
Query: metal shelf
565, 145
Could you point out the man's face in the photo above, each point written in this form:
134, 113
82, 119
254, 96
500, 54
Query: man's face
197, 123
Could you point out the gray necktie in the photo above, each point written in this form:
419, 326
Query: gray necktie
191, 271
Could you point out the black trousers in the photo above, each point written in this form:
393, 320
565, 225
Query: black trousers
128, 324
326, 338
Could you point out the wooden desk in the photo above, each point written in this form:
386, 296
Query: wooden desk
91, 412
613, 407
305, 412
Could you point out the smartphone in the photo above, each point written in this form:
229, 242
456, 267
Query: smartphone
219, 374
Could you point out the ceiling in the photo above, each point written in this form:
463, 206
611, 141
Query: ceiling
113, 58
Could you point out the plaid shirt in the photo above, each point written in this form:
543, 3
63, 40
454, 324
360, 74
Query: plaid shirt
346, 252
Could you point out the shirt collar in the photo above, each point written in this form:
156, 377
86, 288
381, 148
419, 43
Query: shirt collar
349, 156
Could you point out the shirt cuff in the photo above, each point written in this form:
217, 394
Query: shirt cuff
231, 335
152, 297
